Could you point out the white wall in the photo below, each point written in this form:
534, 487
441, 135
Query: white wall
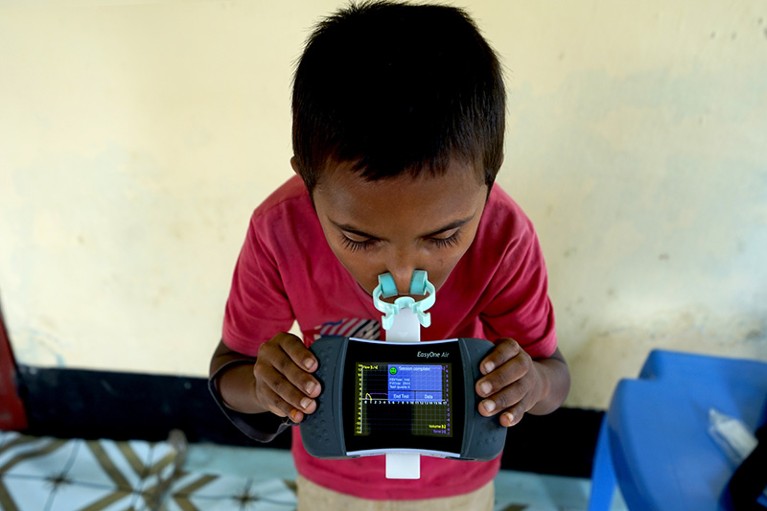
136, 137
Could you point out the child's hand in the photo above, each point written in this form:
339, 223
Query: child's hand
284, 384
512, 384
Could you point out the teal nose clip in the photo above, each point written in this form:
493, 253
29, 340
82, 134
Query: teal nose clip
419, 285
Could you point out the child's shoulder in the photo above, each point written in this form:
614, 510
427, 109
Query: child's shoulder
503, 211
290, 196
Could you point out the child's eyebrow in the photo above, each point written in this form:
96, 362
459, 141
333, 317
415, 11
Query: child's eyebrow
449, 227
452, 225
353, 230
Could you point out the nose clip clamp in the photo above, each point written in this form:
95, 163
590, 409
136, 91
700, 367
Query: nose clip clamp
419, 285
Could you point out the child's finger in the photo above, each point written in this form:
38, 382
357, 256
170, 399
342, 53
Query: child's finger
282, 397
504, 375
297, 352
511, 402
504, 350
277, 354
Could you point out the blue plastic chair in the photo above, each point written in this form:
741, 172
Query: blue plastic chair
654, 442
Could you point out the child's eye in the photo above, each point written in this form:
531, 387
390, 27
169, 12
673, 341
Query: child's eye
357, 244
450, 241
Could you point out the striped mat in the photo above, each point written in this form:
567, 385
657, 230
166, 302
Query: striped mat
50, 474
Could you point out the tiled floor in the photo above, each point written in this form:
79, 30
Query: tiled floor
49, 474
514, 490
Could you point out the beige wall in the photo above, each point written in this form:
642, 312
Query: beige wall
136, 137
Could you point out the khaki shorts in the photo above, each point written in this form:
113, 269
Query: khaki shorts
312, 497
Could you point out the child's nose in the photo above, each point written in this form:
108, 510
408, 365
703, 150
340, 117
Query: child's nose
402, 276
401, 262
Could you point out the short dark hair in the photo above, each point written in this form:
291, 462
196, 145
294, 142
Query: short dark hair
397, 88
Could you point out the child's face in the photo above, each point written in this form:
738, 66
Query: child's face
401, 224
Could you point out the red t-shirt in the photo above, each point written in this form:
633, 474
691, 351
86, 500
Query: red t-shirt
286, 271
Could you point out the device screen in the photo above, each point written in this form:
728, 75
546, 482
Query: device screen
403, 396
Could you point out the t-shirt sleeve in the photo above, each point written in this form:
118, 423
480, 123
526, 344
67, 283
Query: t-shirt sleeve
258, 307
256, 310
262, 427
520, 307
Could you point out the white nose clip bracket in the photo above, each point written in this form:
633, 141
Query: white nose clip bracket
419, 285
402, 321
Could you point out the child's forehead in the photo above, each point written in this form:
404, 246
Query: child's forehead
343, 173
346, 193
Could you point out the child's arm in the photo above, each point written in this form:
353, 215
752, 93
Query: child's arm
515, 384
278, 380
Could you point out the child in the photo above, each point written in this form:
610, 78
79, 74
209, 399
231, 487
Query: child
398, 125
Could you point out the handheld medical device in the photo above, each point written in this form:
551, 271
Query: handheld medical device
401, 398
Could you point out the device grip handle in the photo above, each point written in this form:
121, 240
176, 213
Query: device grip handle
319, 432
483, 437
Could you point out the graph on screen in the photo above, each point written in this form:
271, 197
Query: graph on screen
409, 399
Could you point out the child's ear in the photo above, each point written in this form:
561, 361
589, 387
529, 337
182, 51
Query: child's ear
294, 164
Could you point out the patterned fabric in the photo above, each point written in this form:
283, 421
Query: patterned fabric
41, 473
356, 327
203, 492
51, 474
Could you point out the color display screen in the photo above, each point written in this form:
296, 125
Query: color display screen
405, 397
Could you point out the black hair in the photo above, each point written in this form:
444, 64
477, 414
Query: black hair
397, 88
